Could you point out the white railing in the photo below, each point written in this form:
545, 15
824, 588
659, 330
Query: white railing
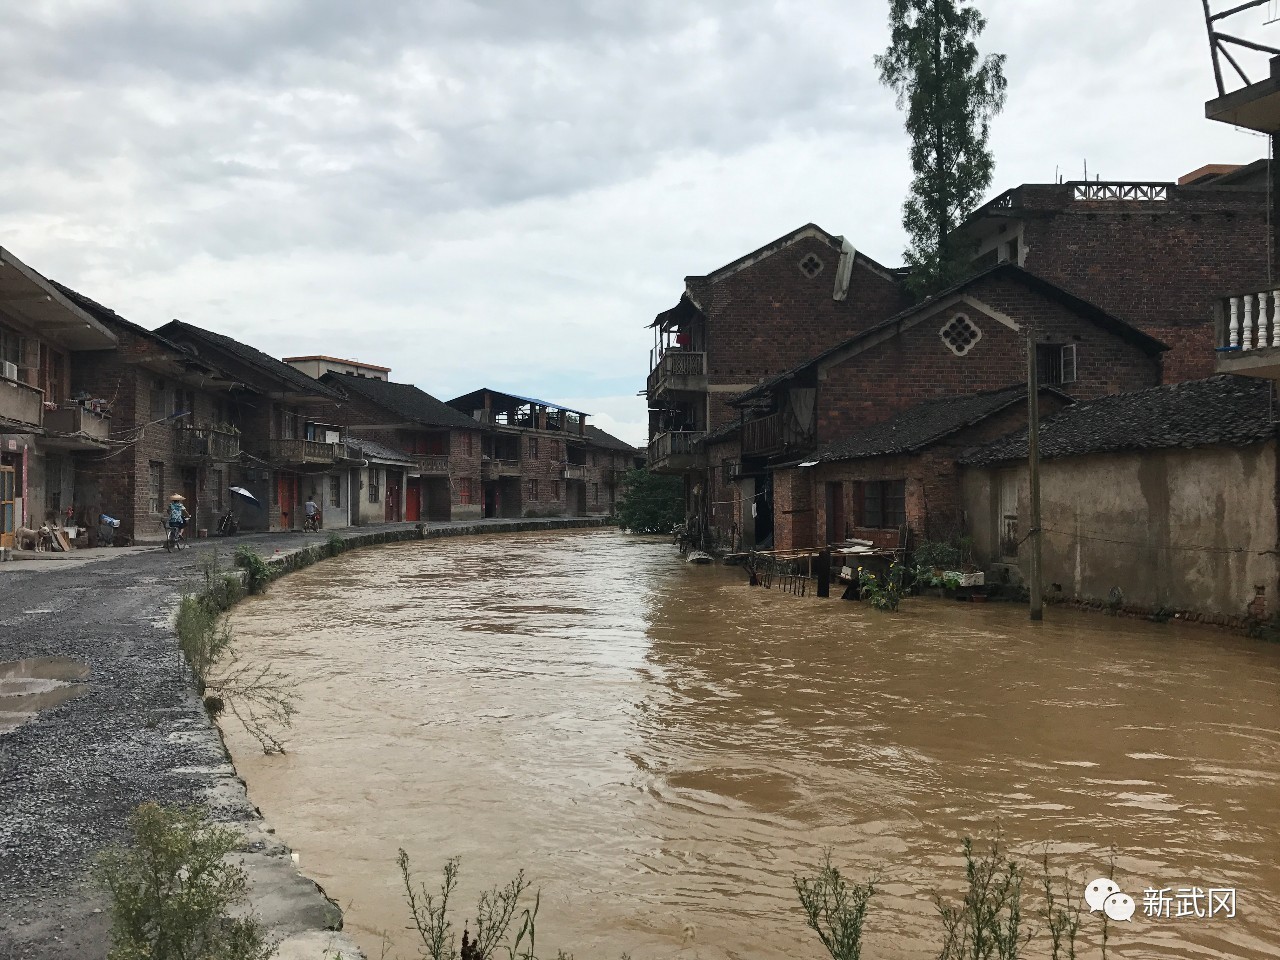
1251, 321
1103, 190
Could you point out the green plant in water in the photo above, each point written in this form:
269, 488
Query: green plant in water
173, 891
882, 592
335, 544
257, 572
987, 923
835, 909
1062, 913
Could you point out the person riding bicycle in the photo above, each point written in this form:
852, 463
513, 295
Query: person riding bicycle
313, 512
178, 515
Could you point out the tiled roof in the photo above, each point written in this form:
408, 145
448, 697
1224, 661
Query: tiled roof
723, 432
106, 314
372, 450
1049, 289
1220, 411
597, 437
923, 424
295, 380
403, 399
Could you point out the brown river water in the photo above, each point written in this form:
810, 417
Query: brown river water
662, 748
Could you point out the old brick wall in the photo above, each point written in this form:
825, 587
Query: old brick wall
1159, 265
917, 365
769, 316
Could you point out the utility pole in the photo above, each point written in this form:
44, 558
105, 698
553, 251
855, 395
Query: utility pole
1033, 473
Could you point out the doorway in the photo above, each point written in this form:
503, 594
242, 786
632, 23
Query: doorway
1007, 516
8, 513
392, 514
413, 499
286, 498
835, 512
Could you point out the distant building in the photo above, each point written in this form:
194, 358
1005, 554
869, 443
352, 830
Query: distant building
317, 366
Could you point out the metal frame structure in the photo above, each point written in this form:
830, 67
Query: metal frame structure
1218, 41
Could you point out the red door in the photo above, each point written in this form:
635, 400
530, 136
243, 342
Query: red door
287, 493
413, 500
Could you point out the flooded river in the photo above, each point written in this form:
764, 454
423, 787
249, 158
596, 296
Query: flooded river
662, 748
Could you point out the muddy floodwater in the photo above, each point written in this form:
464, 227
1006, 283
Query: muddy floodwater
662, 747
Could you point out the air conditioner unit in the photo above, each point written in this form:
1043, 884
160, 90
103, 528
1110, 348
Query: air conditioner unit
9, 370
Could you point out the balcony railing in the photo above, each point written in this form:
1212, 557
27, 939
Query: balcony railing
432, 465
304, 451
675, 450
492, 468
1102, 190
679, 370
206, 443
1247, 330
574, 471
21, 403
763, 435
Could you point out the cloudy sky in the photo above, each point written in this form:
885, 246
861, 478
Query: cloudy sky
504, 193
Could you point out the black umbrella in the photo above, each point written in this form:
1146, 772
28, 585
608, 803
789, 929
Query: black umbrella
242, 492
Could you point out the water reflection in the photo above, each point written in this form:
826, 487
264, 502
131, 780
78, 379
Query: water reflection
663, 747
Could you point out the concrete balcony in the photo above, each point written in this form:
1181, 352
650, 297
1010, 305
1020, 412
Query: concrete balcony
676, 451
491, 469
1247, 328
74, 427
432, 465
574, 471
205, 443
20, 403
678, 371
303, 452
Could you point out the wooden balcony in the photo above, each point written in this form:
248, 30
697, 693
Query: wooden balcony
772, 435
678, 371
615, 476
574, 471
73, 427
675, 452
1247, 329
20, 403
432, 465
205, 443
303, 452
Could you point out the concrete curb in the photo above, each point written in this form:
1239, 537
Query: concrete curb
293, 907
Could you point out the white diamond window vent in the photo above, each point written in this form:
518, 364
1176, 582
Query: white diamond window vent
960, 334
811, 265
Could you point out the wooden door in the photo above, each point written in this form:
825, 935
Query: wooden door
287, 494
393, 497
8, 517
1007, 515
835, 512
413, 500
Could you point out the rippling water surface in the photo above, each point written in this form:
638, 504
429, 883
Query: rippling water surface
662, 748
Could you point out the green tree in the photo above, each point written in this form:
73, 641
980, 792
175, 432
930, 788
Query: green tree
950, 95
651, 502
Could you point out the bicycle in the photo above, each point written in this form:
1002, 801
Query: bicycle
228, 526
311, 524
173, 539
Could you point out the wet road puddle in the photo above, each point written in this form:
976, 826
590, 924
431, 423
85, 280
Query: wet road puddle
35, 684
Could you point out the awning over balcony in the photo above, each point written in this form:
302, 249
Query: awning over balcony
32, 301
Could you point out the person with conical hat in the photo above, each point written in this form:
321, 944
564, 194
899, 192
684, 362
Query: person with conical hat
178, 514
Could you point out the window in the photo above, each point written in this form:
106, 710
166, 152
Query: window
884, 504
1055, 363
466, 446
555, 489
533, 448
335, 491
375, 489
218, 487
157, 486
960, 334
10, 347
159, 402
533, 490
464, 490
595, 493
811, 265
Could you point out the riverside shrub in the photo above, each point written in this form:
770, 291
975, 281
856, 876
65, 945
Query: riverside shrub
651, 502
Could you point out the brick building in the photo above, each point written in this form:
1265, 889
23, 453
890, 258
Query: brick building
748, 320
440, 445
50, 415
968, 339
1156, 255
174, 430
292, 445
542, 459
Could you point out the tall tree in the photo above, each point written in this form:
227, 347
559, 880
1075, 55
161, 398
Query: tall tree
950, 94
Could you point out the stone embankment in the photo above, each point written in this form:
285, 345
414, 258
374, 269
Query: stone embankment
70, 777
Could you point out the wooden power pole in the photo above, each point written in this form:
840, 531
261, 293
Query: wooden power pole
1033, 473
